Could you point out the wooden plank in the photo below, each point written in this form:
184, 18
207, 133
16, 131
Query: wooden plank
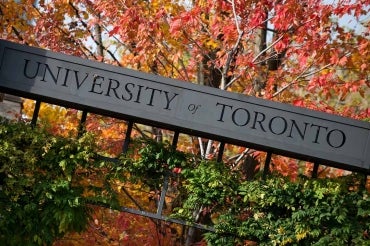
234, 118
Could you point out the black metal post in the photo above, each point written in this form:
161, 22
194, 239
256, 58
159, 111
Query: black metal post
175, 139
35, 113
163, 195
82, 123
266, 168
364, 181
220, 152
128, 136
315, 170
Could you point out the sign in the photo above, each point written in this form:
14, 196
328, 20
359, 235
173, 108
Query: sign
193, 109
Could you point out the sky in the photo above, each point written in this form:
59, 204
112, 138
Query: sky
350, 22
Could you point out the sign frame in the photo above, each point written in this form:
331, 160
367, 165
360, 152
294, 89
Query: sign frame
183, 106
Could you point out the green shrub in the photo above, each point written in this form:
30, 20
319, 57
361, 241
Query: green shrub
40, 199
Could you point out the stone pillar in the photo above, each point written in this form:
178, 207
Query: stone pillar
10, 106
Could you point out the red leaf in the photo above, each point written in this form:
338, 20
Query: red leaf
334, 58
177, 170
114, 31
342, 61
298, 102
176, 25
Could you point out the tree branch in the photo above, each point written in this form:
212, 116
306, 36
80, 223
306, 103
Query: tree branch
15, 30
267, 48
82, 47
232, 81
186, 77
301, 75
233, 51
92, 36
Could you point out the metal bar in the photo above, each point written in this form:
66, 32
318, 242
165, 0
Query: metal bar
364, 181
35, 113
132, 199
266, 168
315, 170
163, 195
188, 98
175, 139
104, 158
83, 117
82, 123
165, 182
128, 136
220, 152
164, 218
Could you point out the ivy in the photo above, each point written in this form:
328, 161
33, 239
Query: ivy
44, 194
207, 185
41, 197
278, 211
274, 211
149, 162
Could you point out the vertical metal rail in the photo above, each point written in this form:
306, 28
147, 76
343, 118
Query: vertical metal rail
163, 195
126, 143
125, 146
166, 178
220, 152
82, 123
175, 139
364, 181
315, 170
35, 113
266, 167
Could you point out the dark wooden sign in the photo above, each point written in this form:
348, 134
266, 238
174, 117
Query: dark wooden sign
209, 112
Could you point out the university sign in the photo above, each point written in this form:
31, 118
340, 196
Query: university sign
209, 112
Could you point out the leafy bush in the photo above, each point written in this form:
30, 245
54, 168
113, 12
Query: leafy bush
40, 195
275, 211
44, 194
207, 186
152, 161
306, 212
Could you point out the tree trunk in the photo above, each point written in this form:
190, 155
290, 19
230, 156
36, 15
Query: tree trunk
99, 41
259, 81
